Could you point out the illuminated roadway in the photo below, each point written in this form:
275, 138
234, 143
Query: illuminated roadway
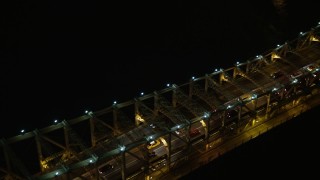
219, 147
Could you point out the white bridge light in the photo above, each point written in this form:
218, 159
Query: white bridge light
122, 148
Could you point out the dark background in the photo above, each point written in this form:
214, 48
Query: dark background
61, 58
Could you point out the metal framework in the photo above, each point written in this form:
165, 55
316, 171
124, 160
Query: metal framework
121, 134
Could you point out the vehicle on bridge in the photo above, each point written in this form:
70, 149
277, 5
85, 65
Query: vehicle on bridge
311, 68
104, 170
194, 132
153, 144
152, 154
157, 162
296, 74
277, 74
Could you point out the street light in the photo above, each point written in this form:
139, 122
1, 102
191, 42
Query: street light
90, 113
122, 148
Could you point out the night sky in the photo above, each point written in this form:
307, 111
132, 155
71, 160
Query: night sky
61, 58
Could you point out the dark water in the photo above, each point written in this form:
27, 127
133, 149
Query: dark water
61, 58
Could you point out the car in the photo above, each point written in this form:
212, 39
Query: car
105, 169
153, 144
158, 160
152, 126
296, 74
152, 154
277, 74
311, 68
194, 132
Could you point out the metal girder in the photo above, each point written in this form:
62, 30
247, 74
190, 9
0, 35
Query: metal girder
212, 101
13, 162
60, 156
53, 142
145, 110
237, 86
257, 63
314, 38
280, 69
251, 80
168, 110
302, 57
148, 115
284, 49
264, 74
73, 136
306, 39
290, 63
10, 176
195, 108
106, 125
137, 157
126, 123
140, 136
217, 87
245, 106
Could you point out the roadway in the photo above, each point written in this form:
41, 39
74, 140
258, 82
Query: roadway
220, 146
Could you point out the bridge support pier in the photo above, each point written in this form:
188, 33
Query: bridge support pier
123, 166
169, 152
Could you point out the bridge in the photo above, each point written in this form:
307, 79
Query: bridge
155, 134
